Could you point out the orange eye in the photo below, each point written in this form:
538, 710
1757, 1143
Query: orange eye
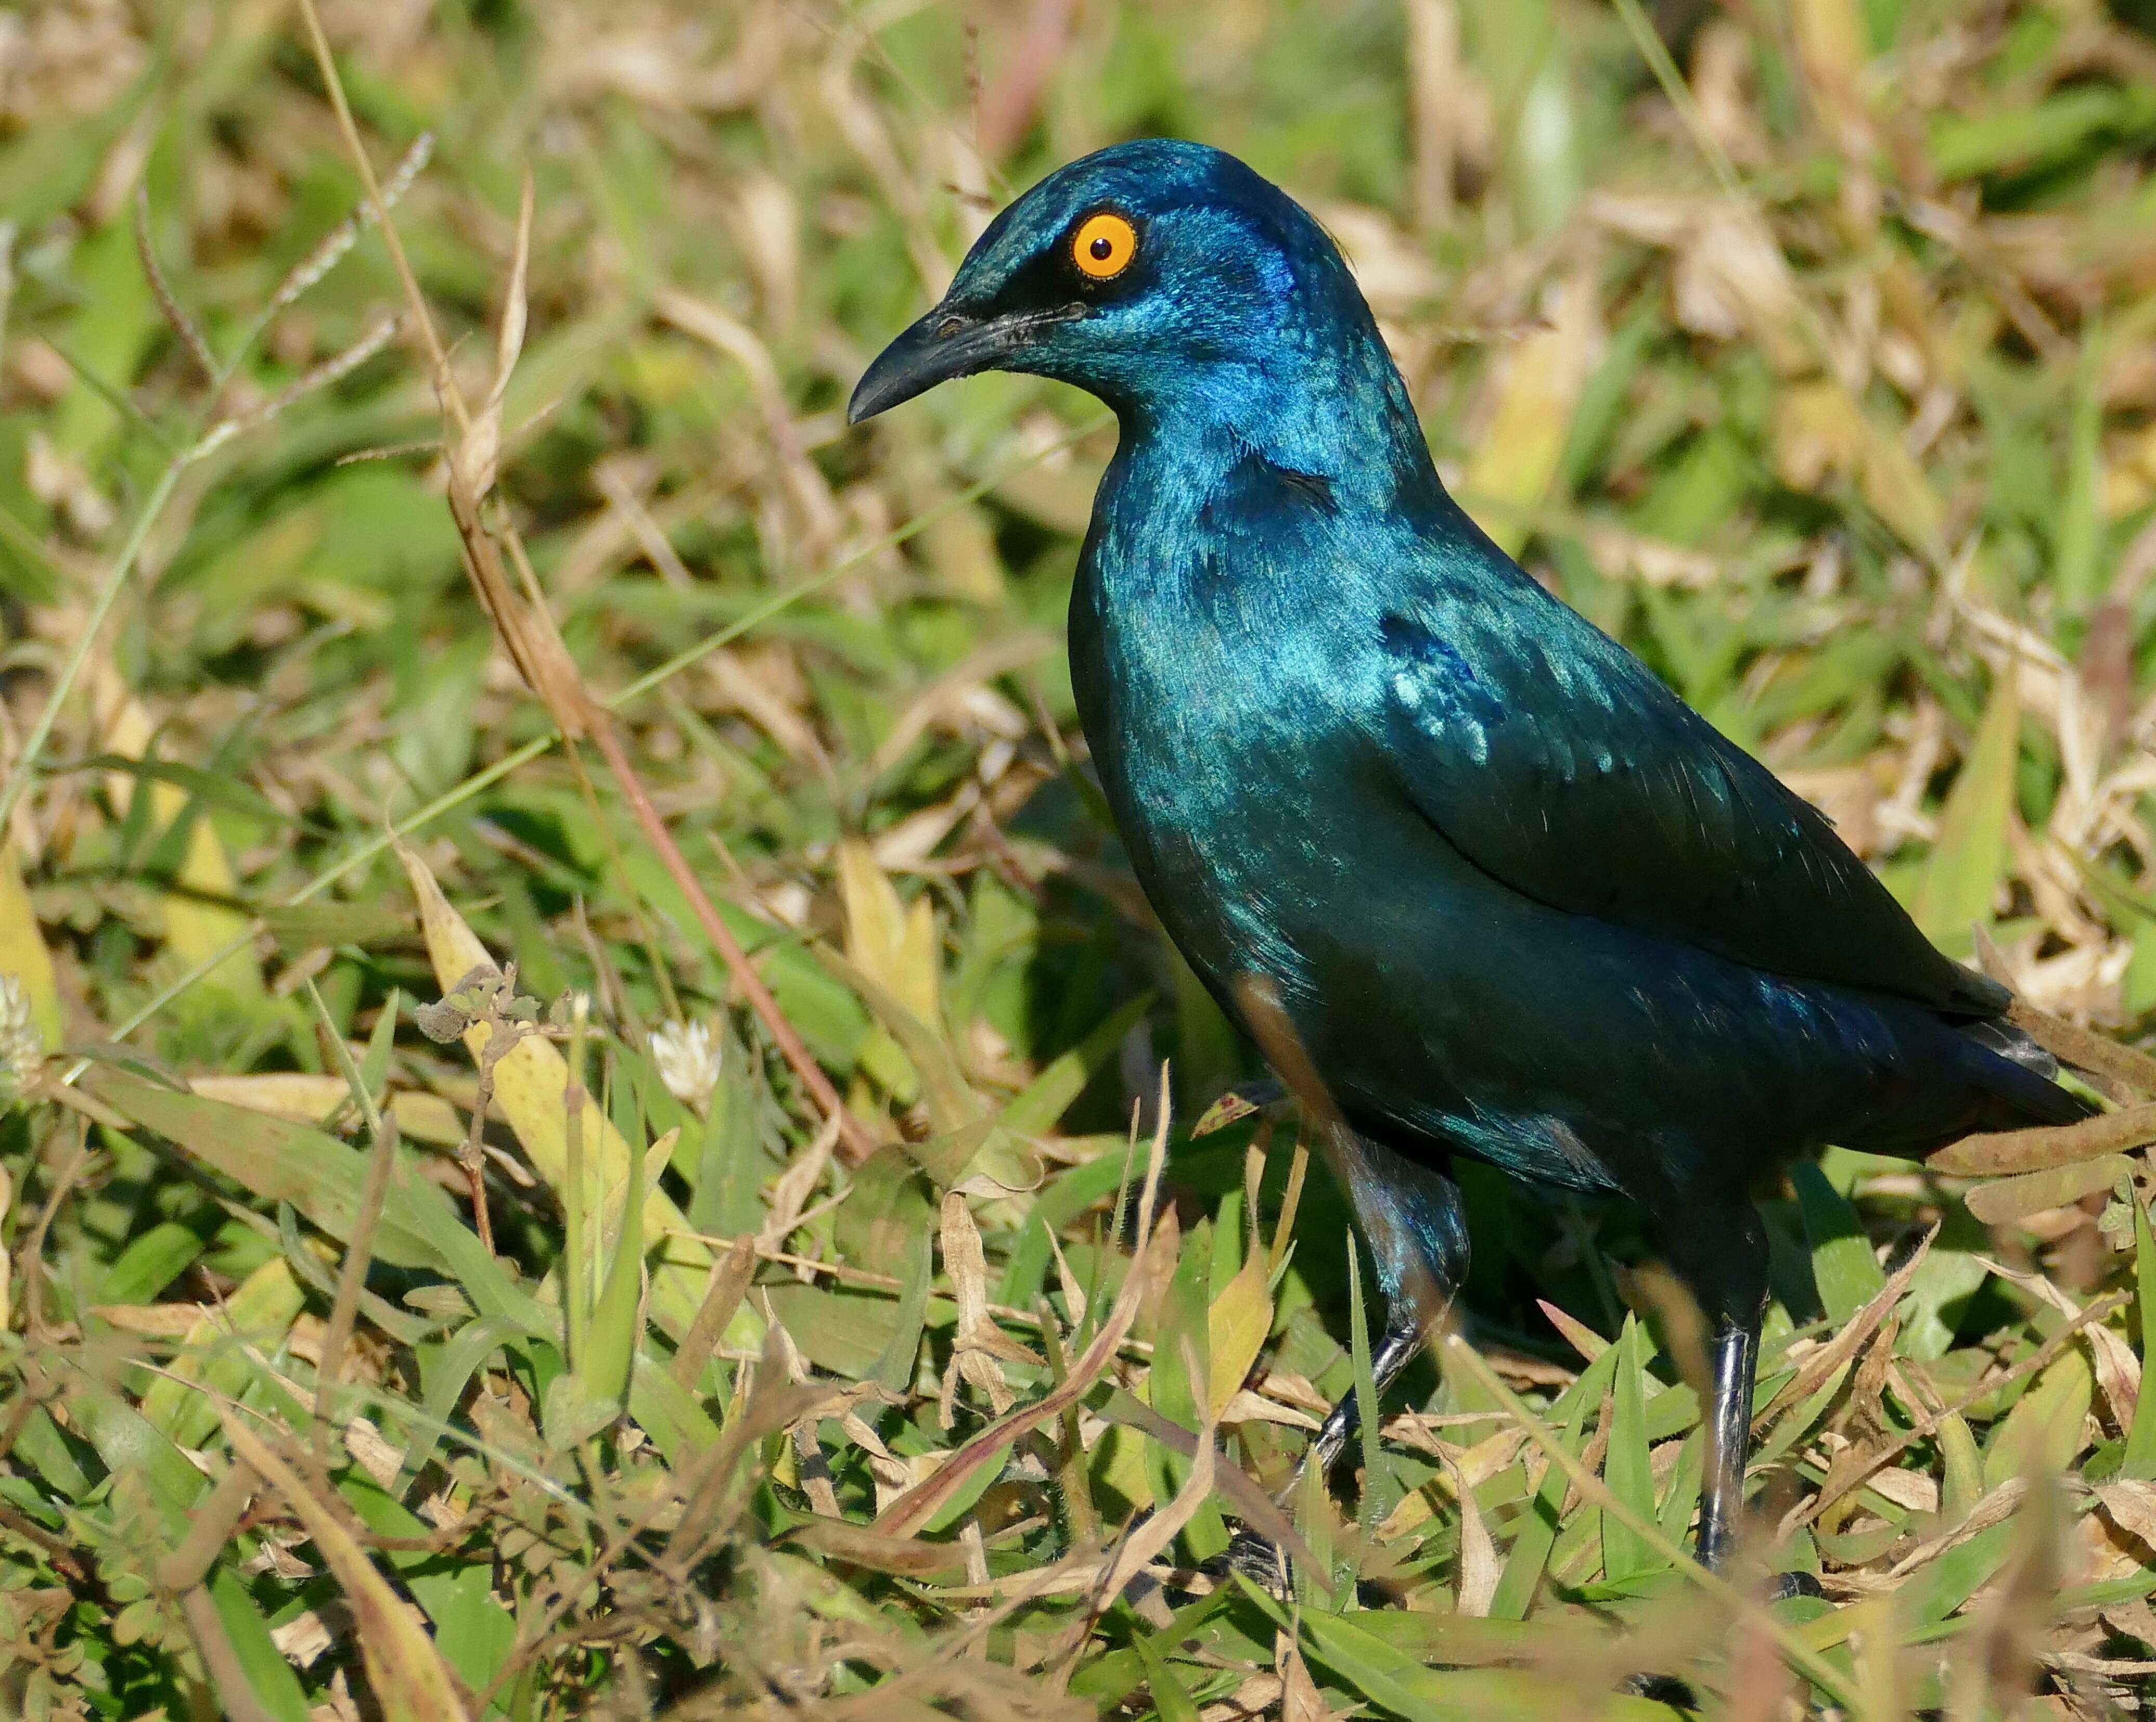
1103, 246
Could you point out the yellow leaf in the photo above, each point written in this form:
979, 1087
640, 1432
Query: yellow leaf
2042, 1434
1515, 461
426, 1118
22, 952
404, 1670
917, 972
200, 919
264, 1308
300, 1096
307, 1098
1235, 1329
1968, 853
530, 1082
1832, 48
894, 946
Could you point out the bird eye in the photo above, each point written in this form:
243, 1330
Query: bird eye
1103, 246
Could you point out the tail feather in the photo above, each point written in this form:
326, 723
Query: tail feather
1998, 1035
2018, 1080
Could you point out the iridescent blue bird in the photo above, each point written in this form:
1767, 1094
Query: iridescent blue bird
1513, 898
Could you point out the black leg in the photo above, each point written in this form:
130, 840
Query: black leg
1405, 1333
1720, 1256
1411, 1217
1733, 1360
1258, 1556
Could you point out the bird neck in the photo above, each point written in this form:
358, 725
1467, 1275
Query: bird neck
1325, 403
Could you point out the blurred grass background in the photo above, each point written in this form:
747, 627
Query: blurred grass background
1809, 345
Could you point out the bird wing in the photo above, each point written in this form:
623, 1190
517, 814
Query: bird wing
1561, 766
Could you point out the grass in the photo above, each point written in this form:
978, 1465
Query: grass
824, 1353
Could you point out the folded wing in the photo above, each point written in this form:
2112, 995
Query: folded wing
1561, 766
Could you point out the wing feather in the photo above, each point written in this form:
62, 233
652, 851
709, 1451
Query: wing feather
1561, 766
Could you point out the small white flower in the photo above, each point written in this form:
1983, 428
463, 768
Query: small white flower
687, 1055
22, 1047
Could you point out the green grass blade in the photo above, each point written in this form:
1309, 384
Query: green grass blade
1377, 1481
1625, 1556
1537, 1532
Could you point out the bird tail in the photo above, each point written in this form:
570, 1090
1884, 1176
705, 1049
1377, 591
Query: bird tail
1980, 1076
1996, 1034
2016, 1079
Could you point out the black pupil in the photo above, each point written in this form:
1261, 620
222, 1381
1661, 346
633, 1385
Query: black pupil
1103, 247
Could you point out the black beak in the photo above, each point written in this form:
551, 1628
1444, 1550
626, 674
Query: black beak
942, 345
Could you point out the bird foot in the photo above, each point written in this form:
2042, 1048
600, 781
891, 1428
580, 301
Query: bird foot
1669, 1689
1261, 1561
1659, 1689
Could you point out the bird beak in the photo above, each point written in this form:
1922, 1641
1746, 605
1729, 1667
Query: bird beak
945, 343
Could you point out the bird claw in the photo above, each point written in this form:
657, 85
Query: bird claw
1262, 1562
1786, 1584
1659, 1689
1669, 1689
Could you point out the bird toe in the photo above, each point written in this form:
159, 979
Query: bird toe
1261, 1561
1786, 1584
1661, 1689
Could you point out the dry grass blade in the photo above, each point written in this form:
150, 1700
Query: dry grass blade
2006, 1200
229, 1678
1928, 1423
213, 1524
1843, 1346
1994, 1665
1995, 1508
330, 250
535, 644
731, 1274
2002, 1151
2084, 1049
169, 305
352, 1277
404, 1671
1456, 1352
1255, 1508
979, 1346
918, 1504
1150, 1540
1478, 1556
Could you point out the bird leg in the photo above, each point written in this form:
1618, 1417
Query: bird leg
1403, 1336
1733, 1360
1721, 1254
1413, 1219
1721, 1258
1259, 1557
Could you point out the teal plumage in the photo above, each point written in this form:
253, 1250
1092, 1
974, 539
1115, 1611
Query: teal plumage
1514, 899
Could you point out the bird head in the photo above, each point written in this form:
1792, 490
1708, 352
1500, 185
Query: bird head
1153, 275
